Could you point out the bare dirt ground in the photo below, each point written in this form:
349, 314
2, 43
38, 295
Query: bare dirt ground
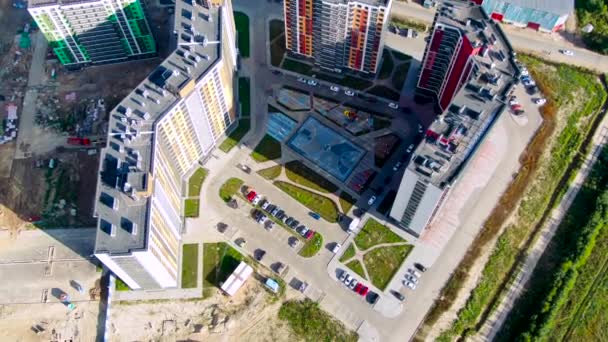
248, 316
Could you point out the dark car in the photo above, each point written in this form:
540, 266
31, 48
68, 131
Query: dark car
314, 215
420, 267
259, 254
294, 224
398, 295
372, 297
289, 221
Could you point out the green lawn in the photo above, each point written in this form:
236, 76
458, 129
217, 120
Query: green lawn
315, 202
275, 29
277, 51
357, 267
402, 22
301, 174
271, 172
230, 187
241, 21
400, 75
312, 246
400, 56
219, 261
196, 181
382, 263
385, 92
387, 65
189, 265
349, 252
374, 233
245, 95
310, 323
346, 81
191, 206
235, 136
268, 149
121, 286
297, 66
594, 12
346, 202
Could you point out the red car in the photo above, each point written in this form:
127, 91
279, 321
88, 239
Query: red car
364, 290
251, 196
309, 234
358, 287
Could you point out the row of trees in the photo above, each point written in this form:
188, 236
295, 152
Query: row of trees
594, 12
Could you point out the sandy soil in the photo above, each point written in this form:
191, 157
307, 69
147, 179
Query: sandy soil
248, 316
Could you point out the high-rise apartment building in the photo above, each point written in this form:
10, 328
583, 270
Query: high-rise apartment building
94, 31
337, 34
157, 136
469, 69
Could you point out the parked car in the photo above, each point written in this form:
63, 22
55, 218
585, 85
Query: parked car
262, 218
279, 268
372, 297
398, 295
303, 286
245, 168
303, 230
301, 79
349, 93
363, 291
277, 72
312, 83
270, 208
309, 234
420, 129
410, 149
275, 211
393, 105
288, 220
294, 224
259, 254
343, 275
264, 204
525, 72
334, 88
529, 83
371, 200
251, 195
348, 279
414, 272
397, 166
240, 242
409, 284
420, 267
567, 52
314, 215
353, 284
256, 200
358, 287
540, 101
269, 224
336, 248
411, 278
293, 242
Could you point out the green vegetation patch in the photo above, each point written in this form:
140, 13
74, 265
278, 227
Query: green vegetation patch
357, 267
191, 206
121, 285
310, 323
196, 181
277, 51
241, 21
315, 202
349, 252
386, 69
235, 136
346, 201
245, 95
404, 23
375, 233
189, 265
400, 75
275, 29
296, 66
272, 172
594, 12
230, 187
312, 246
400, 56
219, 261
268, 149
346, 81
382, 263
301, 174
385, 92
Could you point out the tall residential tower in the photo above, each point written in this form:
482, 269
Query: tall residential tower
83, 32
337, 34
157, 136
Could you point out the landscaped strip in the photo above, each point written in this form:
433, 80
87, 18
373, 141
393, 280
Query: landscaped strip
241, 21
191, 206
312, 246
400, 75
235, 136
196, 181
346, 201
310, 323
357, 267
230, 187
189, 265
219, 261
374, 233
540, 183
596, 14
348, 253
271, 172
382, 263
322, 205
300, 174
245, 96
268, 149
387, 66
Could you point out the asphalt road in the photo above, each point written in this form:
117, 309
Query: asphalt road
545, 44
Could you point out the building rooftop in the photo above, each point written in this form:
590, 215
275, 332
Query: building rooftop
453, 136
368, 2
552, 6
125, 183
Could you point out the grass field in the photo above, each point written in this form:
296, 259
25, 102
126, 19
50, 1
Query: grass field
594, 12
312, 246
268, 148
310, 323
301, 174
346, 202
241, 21
277, 51
296, 66
272, 172
400, 56
349, 252
578, 94
230, 187
245, 96
235, 136
357, 267
189, 265
374, 233
382, 263
121, 286
386, 69
191, 206
275, 28
219, 260
384, 92
196, 181
400, 75
315, 202
402, 22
